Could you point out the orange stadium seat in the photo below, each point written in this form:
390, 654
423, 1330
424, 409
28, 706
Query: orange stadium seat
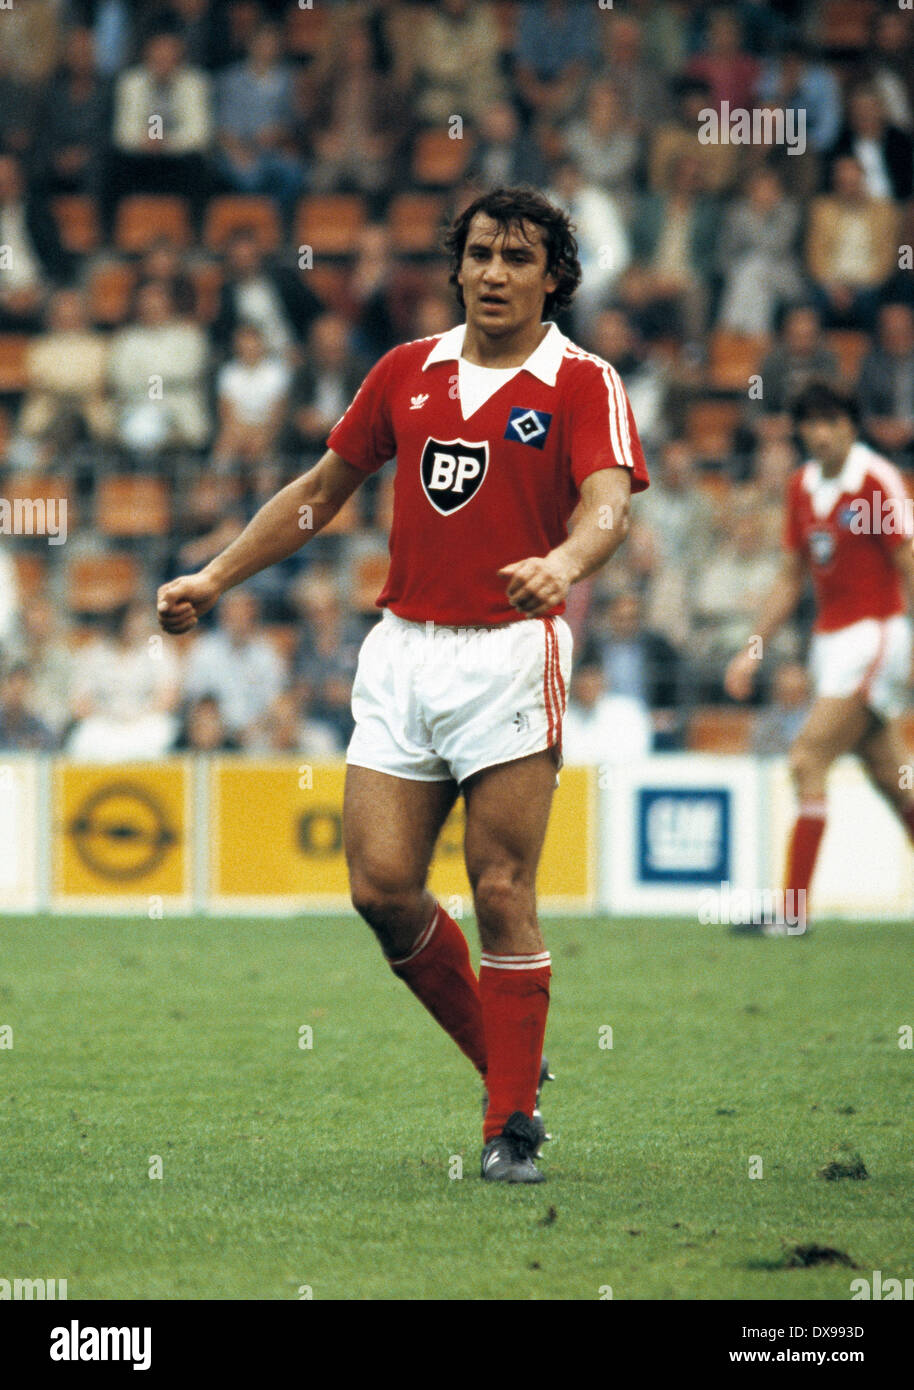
733, 358
76, 216
31, 575
850, 348
132, 505
711, 426
101, 583
35, 486
13, 351
229, 212
110, 288
415, 221
330, 223
713, 730
907, 730
329, 283
142, 221
846, 23
439, 161
306, 30
369, 574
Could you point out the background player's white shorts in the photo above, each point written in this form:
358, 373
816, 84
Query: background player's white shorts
872, 657
432, 703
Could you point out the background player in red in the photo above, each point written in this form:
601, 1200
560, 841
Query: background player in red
501, 429
847, 525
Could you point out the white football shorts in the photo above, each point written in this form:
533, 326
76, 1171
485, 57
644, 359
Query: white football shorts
871, 657
434, 703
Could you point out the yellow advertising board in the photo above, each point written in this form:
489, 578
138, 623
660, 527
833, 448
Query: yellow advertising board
276, 840
122, 835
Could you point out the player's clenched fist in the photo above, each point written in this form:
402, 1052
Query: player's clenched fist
182, 601
739, 677
536, 585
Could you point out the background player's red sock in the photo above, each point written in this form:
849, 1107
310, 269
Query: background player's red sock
439, 973
804, 846
514, 991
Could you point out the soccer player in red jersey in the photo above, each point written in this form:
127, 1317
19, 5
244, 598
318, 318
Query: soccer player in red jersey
501, 429
848, 525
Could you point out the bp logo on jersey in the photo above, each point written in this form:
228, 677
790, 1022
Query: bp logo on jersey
452, 472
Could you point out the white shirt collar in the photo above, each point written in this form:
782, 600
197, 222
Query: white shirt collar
544, 361
826, 491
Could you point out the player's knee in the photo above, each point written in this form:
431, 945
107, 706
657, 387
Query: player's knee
381, 904
499, 894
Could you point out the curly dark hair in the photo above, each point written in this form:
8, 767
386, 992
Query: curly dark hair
823, 401
512, 207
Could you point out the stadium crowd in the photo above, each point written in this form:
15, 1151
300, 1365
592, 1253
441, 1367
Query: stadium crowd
215, 217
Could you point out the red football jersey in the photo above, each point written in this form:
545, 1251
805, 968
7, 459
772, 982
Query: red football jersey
846, 528
474, 494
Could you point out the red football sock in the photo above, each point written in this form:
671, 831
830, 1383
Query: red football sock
804, 847
907, 815
514, 991
439, 973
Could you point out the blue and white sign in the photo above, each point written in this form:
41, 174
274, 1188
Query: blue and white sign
683, 835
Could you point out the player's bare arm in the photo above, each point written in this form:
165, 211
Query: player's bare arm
282, 526
777, 607
538, 583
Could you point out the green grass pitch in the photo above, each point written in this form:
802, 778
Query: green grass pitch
330, 1167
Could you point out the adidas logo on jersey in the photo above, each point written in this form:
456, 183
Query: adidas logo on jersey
417, 402
452, 472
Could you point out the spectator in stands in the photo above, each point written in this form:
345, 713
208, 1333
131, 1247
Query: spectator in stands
798, 356
17, 109
885, 153
758, 255
66, 400
275, 297
32, 36
287, 727
206, 31
125, 692
635, 661
157, 369
643, 93
328, 653
730, 587
9, 606
162, 128
603, 728
46, 653
794, 81
372, 291
673, 237
505, 155
456, 68
723, 63
891, 62
21, 728
252, 390
555, 50
603, 243
255, 120
235, 663
73, 122
165, 262
673, 139
34, 259
886, 390
358, 119
604, 142
435, 313
851, 248
778, 725
616, 340
202, 729
323, 386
